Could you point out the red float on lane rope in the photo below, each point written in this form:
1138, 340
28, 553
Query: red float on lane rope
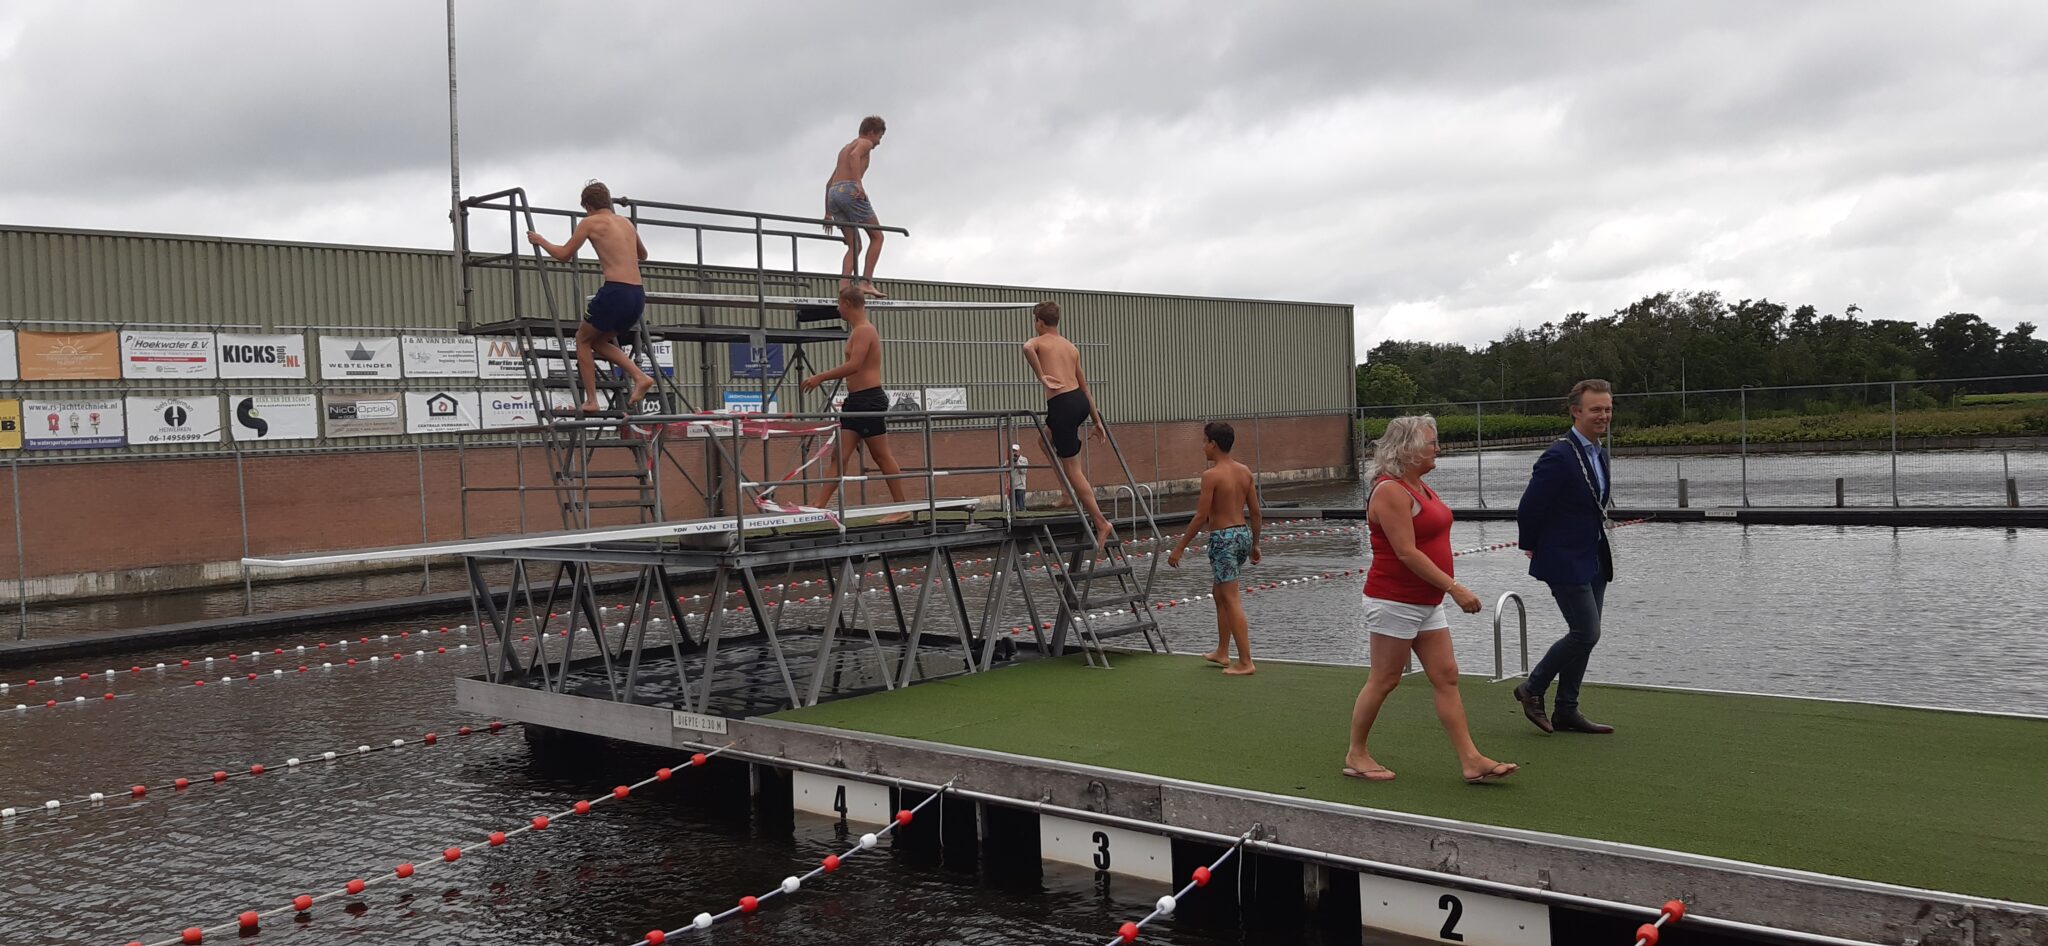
193, 935
355, 886
1127, 932
249, 919
403, 871
302, 903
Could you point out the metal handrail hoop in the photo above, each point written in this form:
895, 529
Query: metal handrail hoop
1522, 616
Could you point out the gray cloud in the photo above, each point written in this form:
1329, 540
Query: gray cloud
1452, 169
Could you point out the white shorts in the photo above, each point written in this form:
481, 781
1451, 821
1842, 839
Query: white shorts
1403, 621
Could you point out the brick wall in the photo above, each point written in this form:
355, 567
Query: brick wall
152, 515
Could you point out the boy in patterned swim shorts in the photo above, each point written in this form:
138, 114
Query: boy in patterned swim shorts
1229, 501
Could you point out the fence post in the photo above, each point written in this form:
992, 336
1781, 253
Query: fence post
1479, 440
1744, 408
1838, 492
1258, 464
1157, 471
419, 452
1894, 386
242, 498
20, 555
2012, 492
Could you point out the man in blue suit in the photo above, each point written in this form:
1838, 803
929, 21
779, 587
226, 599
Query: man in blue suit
1563, 518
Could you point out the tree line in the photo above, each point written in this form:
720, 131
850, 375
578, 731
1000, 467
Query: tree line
1700, 341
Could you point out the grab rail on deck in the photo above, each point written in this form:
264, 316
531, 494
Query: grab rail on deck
1522, 615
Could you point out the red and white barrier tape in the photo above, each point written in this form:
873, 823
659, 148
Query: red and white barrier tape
794, 882
1128, 932
250, 922
219, 776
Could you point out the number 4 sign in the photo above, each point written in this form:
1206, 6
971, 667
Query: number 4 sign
1444, 915
844, 800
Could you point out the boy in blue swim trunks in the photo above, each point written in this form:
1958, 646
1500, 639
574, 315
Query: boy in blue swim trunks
616, 306
846, 200
1230, 509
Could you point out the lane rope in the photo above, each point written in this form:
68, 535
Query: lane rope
1128, 932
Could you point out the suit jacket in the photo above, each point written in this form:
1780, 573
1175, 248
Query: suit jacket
1561, 518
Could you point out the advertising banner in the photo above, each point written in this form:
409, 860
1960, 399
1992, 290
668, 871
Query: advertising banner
10, 425
503, 409
912, 399
363, 415
749, 362
433, 412
167, 355
10, 369
69, 356
747, 402
262, 356
498, 359
439, 356
271, 417
343, 357
70, 425
174, 419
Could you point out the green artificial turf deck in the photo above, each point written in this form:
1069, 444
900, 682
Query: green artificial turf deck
1945, 801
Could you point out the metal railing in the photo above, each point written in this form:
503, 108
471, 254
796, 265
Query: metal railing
1902, 442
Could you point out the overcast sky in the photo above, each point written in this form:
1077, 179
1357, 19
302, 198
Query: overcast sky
1452, 169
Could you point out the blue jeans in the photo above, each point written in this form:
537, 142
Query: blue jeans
1566, 660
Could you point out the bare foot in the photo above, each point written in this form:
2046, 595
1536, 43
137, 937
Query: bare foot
1486, 770
1240, 670
588, 407
1219, 658
894, 518
640, 389
1105, 533
1363, 767
870, 289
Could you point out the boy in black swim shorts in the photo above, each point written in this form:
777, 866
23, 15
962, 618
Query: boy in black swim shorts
617, 305
863, 373
1067, 405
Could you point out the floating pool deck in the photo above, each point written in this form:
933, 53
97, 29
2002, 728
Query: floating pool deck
1862, 822
1919, 798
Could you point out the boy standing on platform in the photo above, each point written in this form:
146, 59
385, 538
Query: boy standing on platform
1057, 363
1230, 509
863, 373
846, 200
617, 305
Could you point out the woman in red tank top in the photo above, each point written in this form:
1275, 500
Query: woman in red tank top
1405, 585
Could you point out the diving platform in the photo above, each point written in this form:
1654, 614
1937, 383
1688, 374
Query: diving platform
1776, 819
800, 303
540, 328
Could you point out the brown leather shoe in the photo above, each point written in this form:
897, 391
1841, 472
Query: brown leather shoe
1532, 707
1572, 721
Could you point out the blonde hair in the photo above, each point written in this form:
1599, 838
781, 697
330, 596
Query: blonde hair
1400, 447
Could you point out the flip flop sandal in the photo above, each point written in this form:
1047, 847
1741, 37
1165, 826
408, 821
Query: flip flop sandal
1366, 775
1495, 774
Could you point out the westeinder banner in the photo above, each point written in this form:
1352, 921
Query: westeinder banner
363, 415
71, 425
262, 356
167, 355
271, 417
343, 357
174, 419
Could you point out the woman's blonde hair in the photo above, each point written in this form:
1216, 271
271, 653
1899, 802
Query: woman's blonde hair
1400, 447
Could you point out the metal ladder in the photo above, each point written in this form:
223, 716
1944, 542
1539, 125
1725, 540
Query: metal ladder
572, 449
1103, 598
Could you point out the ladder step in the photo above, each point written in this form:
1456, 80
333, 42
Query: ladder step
605, 475
1092, 602
1119, 630
614, 504
573, 383
572, 414
1093, 574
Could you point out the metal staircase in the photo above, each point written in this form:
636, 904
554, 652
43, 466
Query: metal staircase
1107, 597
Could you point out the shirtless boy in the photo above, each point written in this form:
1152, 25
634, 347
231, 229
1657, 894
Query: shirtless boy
863, 373
616, 306
846, 200
1057, 363
1229, 498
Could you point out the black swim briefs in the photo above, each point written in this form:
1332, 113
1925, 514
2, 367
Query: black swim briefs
1064, 414
872, 399
616, 307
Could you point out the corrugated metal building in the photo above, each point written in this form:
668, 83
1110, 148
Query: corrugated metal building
1153, 357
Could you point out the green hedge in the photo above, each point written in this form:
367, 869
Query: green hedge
2017, 397
2029, 419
